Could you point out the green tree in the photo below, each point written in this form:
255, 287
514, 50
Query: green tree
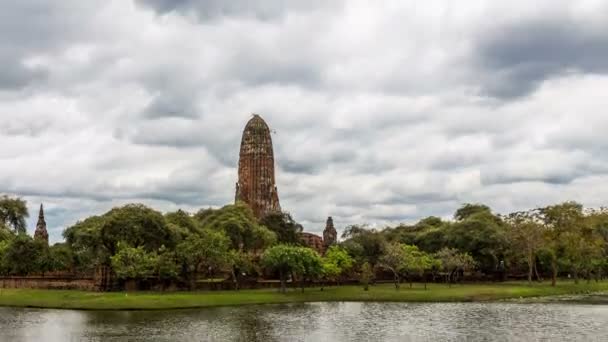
182, 219
284, 226
364, 244
309, 265
207, 252
133, 263
202, 214
582, 252
13, 213
366, 275
287, 259
426, 263
6, 234
527, 236
558, 220
467, 210
393, 259
167, 267
22, 256
240, 225
241, 263
180, 225
417, 263
61, 257
479, 233
135, 225
453, 261
336, 262
84, 241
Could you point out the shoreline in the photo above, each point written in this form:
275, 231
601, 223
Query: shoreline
510, 292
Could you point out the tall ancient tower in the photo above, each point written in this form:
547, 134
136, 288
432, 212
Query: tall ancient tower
41, 233
256, 185
330, 235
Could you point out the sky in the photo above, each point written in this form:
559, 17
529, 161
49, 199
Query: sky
383, 112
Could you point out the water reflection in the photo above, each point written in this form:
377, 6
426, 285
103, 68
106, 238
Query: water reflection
316, 322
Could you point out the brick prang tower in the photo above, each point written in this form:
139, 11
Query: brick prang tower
256, 184
41, 232
330, 235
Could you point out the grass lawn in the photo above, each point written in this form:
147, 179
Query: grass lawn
385, 292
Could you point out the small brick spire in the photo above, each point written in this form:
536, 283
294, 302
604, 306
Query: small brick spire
330, 235
41, 232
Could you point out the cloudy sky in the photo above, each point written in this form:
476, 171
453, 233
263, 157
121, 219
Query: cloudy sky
383, 113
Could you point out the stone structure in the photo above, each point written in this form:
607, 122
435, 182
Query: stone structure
313, 241
41, 232
59, 282
256, 184
321, 244
330, 235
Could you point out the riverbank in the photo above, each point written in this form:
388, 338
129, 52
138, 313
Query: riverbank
380, 293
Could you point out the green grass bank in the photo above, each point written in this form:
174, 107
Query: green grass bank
380, 293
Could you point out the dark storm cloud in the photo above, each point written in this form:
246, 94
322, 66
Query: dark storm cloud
163, 106
557, 168
30, 27
517, 57
505, 178
212, 9
16, 76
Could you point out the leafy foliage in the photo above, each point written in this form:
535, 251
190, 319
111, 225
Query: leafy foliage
336, 262
241, 227
366, 275
284, 226
452, 262
13, 213
287, 259
207, 252
135, 225
133, 262
22, 255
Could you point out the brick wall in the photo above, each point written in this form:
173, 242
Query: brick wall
49, 282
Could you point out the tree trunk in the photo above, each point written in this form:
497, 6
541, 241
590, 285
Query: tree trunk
235, 280
538, 278
283, 286
575, 273
397, 280
553, 271
531, 262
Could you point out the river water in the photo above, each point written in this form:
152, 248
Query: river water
317, 322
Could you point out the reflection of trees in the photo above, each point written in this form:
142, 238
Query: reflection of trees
252, 325
136, 325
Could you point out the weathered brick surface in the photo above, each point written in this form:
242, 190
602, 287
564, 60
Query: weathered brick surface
56, 283
330, 235
41, 232
313, 241
256, 184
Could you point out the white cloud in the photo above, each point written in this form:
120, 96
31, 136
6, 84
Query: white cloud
383, 112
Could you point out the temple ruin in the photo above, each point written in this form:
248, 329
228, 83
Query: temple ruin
256, 184
330, 235
41, 232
